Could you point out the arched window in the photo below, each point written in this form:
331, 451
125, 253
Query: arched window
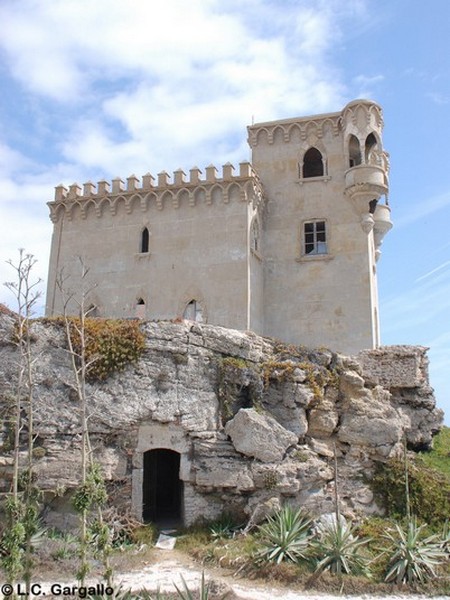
145, 238
313, 163
354, 151
140, 309
193, 312
371, 145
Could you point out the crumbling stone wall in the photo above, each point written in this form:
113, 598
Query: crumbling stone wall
251, 418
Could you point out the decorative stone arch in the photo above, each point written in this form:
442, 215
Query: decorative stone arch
295, 133
76, 210
315, 151
166, 198
353, 151
330, 126
372, 149
262, 136
57, 212
278, 135
150, 199
216, 194
159, 442
135, 202
233, 192
90, 208
117, 203
183, 197
200, 195
102, 203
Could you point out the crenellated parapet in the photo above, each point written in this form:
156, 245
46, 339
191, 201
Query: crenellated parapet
163, 191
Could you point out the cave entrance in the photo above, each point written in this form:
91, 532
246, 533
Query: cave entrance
162, 489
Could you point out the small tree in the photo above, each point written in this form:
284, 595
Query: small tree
91, 492
21, 506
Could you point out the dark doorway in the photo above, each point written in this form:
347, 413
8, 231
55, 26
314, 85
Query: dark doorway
162, 488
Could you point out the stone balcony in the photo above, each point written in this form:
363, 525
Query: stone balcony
365, 183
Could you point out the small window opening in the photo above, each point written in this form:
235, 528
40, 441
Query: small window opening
312, 163
145, 238
354, 151
315, 241
255, 236
92, 311
193, 312
140, 309
370, 149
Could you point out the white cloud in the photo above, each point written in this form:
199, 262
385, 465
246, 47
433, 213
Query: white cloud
119, 87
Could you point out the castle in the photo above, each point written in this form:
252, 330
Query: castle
287, 246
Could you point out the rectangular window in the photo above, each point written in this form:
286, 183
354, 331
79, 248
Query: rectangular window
315, 239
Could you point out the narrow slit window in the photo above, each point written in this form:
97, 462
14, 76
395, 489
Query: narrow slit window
315, 238
354, 151
255, 236
145, 238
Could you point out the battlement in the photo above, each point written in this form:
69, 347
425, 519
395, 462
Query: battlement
159, 191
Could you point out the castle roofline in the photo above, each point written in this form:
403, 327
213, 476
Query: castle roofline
313, 117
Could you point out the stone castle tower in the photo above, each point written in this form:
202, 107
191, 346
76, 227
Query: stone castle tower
286, 247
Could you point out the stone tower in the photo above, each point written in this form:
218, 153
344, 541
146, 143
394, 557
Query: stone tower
286, 247
323, 178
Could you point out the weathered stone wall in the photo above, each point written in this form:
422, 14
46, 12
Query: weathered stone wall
252, 419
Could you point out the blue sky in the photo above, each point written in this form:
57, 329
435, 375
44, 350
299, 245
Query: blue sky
93, 90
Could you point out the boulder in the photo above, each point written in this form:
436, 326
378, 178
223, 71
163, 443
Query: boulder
259, 435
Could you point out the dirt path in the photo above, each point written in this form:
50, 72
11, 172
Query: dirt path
169, 566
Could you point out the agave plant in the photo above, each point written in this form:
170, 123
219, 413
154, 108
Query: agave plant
413, 557
285, 536
445, 537
204, 591
339, 550
223, 527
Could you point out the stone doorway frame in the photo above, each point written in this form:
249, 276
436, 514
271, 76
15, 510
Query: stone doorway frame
158, 436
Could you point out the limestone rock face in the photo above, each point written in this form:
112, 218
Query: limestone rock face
259, 436
251, 422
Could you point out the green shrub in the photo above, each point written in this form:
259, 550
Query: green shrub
111, 344
429, 490
439, 456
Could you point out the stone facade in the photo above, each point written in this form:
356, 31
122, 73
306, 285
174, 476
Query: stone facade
249, 422
287, 247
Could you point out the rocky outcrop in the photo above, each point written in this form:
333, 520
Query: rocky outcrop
252, 421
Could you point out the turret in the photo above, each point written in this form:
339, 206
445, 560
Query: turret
366, 179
